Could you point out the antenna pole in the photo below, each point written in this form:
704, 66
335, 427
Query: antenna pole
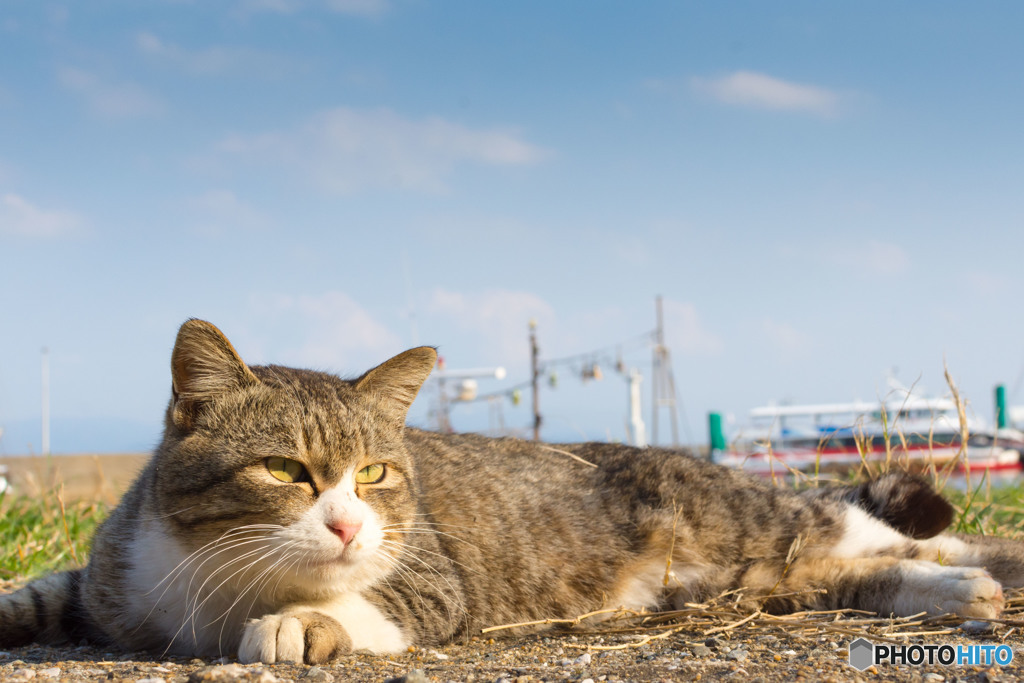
535, 375
663, 385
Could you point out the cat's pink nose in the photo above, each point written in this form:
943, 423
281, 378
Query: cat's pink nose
345, 531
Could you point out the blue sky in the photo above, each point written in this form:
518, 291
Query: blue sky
819, 191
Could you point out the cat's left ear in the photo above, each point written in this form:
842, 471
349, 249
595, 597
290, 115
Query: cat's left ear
396, 382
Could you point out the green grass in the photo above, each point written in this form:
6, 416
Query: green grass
40, 535
991, 511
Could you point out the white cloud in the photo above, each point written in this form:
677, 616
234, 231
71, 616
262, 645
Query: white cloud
19, 217
210, 60
328, 331
876, 258
685, 331
986, 284
222, 210
760, 91
784, 337
345, 150
363, 8
115, 100
497, 318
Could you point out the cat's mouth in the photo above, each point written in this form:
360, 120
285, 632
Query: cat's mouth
347, 555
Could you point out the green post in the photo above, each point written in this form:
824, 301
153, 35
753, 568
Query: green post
1000, 406
715, 429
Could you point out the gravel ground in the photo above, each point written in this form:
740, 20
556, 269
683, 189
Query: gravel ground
744, 654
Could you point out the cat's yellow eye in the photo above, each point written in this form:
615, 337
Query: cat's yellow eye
371, 474
287, 470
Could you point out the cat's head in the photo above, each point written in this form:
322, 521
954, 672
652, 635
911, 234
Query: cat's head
275, 467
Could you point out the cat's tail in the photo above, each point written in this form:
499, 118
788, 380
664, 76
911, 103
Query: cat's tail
904, 501
48, 610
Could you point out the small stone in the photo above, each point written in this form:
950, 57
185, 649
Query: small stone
220, 672
711, 642
977, 627
27, 674
317, 675
933, 678
439, 655
53, 672
414, 676
701, 651
587, 680
151, 680
737, 655
582, 660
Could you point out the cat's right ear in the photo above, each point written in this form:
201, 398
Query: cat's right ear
396, 382
204, 366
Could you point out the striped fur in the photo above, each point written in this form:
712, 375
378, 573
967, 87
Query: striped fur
211, 552
47, 611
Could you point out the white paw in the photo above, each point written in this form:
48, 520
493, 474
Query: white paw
966, 591
300, 636
274, 638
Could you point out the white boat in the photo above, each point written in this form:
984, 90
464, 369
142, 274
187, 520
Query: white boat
908, 429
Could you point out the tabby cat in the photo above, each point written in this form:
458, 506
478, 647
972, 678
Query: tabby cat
289, 515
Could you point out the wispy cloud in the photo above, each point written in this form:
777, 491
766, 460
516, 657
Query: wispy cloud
115, 100
221, 211
784, 337
497, 318
346, 150
19, 217
330, 331
760, 91
361, 8
875, 258
686, 331
210, 60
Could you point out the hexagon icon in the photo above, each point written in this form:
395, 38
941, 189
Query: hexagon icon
862, 654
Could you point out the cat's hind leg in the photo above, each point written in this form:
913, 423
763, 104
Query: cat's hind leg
1003, 558
886, 585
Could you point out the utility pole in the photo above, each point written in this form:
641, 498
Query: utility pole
444, 423
465, 391
535, 374
46, 401
663, 385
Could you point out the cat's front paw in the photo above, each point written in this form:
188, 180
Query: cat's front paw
309, 637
